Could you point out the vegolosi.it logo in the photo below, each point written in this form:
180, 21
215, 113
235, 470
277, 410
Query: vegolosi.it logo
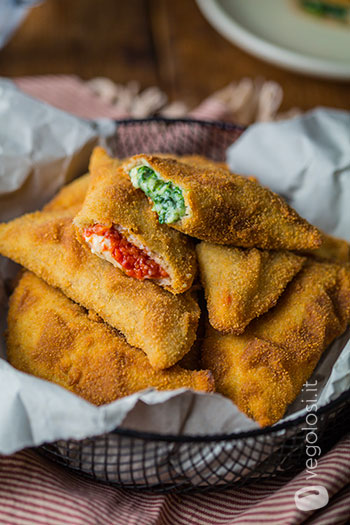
311, 498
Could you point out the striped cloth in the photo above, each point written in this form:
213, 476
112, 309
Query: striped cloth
34, 491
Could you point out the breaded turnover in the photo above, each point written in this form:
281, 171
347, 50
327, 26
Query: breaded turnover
73, 194
161, 324
53, 338
264, 369
117, 224
214, 205
243, 283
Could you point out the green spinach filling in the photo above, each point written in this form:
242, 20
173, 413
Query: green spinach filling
168, 201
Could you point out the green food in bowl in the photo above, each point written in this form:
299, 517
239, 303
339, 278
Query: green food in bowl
326, 9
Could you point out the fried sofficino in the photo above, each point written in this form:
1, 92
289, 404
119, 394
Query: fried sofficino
241, 284
214, 205
53, 338
118, 225
161, 324
73, 194
264, 369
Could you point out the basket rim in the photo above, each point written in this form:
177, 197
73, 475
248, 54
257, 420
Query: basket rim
229, 126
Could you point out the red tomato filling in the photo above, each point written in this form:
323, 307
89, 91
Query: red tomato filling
134, 261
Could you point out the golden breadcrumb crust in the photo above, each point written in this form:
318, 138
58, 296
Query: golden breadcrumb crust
72, 194
99, 158
264, 369
225, 208
199, 160
112, 200
161, 324
53, 338
241, 284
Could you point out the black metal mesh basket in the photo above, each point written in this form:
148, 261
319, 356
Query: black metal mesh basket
166, 463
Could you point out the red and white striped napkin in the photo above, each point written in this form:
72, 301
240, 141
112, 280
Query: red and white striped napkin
34, 491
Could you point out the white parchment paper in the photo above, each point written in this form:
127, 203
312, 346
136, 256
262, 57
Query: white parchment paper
42, 148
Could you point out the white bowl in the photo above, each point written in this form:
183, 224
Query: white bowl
281, 33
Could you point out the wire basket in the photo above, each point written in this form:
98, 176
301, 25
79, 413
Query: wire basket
167, 463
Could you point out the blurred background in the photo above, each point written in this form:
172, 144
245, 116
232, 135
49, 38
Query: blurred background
164, 43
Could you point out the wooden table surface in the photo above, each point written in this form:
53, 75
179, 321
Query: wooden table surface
156, 42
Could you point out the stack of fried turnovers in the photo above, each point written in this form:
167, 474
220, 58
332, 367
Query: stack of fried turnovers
117, 224
263, 370
55, 339
124, 242
210, 203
